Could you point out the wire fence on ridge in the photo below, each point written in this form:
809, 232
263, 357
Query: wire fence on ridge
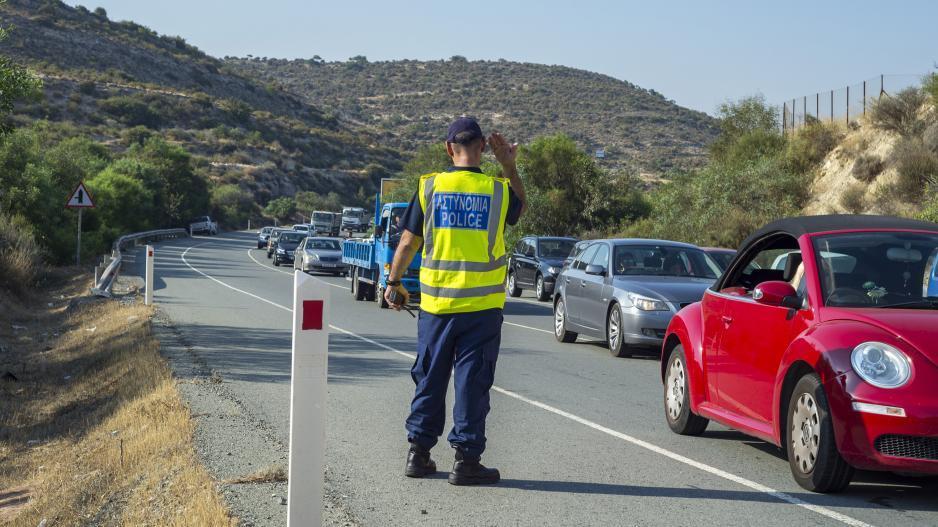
844, 105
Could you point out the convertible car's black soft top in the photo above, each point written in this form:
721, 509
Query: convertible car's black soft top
802, 225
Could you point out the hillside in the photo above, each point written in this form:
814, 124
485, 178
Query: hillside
119, 81
414, 100
886, 163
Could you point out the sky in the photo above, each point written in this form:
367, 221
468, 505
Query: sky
699, 53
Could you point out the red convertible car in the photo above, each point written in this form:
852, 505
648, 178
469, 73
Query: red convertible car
822, 338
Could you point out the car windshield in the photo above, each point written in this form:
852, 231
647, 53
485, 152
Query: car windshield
323, 245
663, 260
322, 216
291, 237
555, 248
722, 258
881, 269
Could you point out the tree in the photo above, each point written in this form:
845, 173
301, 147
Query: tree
178, 192
748, 116
231, 204
564, 181
281, 209
124, 204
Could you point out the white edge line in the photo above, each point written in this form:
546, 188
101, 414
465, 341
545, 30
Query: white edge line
782, 496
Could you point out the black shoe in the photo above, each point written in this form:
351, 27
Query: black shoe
471, 472
419, 463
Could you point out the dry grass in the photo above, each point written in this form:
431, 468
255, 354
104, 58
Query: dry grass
94, 430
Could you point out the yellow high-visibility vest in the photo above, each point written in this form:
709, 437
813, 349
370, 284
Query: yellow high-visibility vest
463, 266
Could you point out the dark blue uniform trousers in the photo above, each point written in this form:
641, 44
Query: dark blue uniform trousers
466, 344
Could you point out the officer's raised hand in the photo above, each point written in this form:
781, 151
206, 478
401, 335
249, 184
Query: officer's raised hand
505, 152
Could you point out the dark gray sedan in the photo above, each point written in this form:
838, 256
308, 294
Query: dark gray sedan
626, 291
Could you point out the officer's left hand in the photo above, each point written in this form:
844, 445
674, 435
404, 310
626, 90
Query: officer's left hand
402, 297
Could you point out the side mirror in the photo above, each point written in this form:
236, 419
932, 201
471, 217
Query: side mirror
776, 293
597, 270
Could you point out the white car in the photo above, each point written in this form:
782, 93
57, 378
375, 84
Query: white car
302, 227
203, 224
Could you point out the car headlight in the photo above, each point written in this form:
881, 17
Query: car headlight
313, 256
647, 304
553, 270
881, 364
280, 251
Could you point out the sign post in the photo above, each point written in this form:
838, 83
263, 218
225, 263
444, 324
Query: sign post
148, 294
308, 400
79, 199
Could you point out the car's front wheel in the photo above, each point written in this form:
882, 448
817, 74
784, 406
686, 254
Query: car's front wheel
560, 323
276, 262
512, 286
677, 410
614, 334
815, 462
539, 288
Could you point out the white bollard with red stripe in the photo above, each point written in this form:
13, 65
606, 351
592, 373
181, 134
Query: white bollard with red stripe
308, 400
148, 287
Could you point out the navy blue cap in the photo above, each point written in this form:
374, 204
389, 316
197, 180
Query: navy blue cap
463, 130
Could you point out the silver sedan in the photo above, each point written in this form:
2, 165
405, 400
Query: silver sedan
319, 254
625, 291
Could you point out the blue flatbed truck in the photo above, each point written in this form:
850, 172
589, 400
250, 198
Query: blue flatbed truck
370, 259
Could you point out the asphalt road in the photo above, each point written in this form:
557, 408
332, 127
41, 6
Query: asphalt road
579, 436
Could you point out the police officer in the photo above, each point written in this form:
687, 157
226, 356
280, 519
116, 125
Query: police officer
459, 216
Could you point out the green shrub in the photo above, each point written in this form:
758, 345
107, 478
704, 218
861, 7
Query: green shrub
20, 254
917, 167
810, 145
852, 200
131, 111
899, 113
867, 167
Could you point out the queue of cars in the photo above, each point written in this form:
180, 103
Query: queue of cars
820, 335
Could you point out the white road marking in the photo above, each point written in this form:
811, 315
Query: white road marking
529, 327
782, 496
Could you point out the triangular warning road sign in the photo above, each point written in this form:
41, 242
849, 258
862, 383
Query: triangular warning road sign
80, 198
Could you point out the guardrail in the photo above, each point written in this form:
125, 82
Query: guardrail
104, 279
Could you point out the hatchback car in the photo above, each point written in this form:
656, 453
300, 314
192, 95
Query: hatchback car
320, 254
832, 357
286, 246
535, 263
626, 291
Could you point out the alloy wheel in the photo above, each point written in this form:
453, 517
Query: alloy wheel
615, 322
511, 282
539, 287
806, 433
675, 389
559, 318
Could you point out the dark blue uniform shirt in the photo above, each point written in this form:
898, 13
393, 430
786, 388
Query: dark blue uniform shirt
412, 219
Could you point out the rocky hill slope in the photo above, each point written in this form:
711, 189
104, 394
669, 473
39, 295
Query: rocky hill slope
119, 81
412, 101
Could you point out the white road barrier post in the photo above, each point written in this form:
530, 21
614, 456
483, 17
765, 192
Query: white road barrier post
148, 294
308, 400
